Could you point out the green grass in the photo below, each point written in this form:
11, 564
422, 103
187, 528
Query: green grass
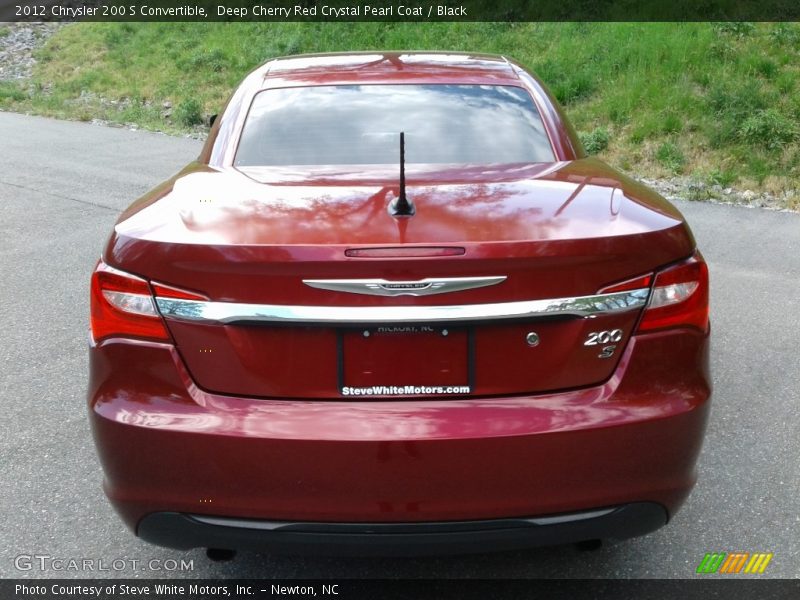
11, 92
671, 157
718, 102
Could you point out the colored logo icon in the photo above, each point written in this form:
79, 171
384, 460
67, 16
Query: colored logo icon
734, 562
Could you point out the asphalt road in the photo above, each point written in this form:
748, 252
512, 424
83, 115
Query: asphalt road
61, 187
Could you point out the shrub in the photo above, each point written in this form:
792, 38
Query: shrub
766, 68
671, 157
737, 28
731, 104
786, 34
208, 60
118, 34
736, 100
595, 141
189, 112
769, 129
574, 87
785, 83
672, 123
618, 115
722, 178
11, 91
637, 136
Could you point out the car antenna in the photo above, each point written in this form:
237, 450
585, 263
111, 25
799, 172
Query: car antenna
402, 206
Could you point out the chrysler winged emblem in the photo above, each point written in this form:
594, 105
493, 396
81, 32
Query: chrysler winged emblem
421, 287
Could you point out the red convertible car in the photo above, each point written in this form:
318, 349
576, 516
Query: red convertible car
393, 308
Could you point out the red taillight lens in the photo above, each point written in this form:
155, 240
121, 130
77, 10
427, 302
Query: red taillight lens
162, 290
679, 297
412, 252
122, 306
631, 284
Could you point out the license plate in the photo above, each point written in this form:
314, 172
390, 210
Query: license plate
405, 360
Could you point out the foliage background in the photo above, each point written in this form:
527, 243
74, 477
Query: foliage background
717, 102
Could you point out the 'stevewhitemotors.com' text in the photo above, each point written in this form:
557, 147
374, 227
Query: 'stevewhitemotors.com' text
405, 390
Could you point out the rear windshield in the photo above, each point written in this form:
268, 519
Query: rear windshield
361, 124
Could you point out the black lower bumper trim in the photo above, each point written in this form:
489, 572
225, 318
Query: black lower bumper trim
183, 531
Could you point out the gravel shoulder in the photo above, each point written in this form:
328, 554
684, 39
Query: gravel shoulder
686, 188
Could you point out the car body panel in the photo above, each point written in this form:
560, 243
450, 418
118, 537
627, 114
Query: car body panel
634, 438
250, 419
564, 230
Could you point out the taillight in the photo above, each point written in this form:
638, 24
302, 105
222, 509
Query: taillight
637, 283
122, 305
679, 297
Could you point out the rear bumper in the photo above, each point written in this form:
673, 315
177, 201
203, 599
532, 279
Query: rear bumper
182, 531
168, 447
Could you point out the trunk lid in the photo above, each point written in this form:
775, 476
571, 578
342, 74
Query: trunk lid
552, 232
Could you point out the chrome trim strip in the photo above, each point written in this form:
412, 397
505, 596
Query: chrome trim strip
231, 312
478, 525
421, 287
240, 523
572, 517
